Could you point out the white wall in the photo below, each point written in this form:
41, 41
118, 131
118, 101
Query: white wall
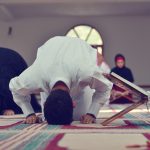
129, 35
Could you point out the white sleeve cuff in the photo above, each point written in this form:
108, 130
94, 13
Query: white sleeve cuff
94, 109
26, 108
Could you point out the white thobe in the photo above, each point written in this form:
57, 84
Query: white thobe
66, 59
104, 67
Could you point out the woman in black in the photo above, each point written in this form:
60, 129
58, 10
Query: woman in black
124, 72
11, 65
121, 68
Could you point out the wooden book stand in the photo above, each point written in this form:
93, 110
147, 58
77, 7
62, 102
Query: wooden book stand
140, 96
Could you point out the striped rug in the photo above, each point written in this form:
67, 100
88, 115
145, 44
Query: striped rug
14, 135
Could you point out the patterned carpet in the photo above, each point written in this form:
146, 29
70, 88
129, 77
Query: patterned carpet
129, 132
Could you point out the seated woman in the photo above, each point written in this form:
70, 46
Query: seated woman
121, 68
11, 65
120, 95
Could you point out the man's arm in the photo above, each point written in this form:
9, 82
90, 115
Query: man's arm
24, 85
43, 96
102, 92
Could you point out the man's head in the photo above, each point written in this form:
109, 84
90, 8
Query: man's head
120, 60
58, 108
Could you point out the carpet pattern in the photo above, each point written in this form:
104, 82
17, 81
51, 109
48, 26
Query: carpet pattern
15, 135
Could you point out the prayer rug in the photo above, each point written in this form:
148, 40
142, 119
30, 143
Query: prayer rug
132, 131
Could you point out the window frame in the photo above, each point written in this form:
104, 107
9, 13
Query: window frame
92, 27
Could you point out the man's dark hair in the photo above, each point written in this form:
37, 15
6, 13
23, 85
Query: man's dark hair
119, 56
58, 108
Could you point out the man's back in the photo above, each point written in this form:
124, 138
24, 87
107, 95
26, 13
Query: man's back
66, 55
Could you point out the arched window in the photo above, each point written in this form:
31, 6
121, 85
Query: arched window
89, 34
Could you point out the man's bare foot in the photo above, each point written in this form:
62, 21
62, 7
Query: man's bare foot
9, 112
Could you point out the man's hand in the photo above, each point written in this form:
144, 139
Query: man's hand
8, 112
32, 119
88, 119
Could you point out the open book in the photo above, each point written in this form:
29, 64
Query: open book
126, 85
143, 96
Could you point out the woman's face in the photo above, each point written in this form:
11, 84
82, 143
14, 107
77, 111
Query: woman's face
120, 63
